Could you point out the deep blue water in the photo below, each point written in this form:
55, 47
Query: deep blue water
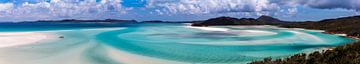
43, 26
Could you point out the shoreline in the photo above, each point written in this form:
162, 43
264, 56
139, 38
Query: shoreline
344, 35
14, 39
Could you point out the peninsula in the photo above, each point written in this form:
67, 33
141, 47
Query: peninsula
344, 54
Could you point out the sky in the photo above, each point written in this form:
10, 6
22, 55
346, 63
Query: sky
174, 10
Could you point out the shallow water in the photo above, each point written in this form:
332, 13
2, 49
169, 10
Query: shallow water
164, 43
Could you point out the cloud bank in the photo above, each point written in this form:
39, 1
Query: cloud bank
94, 9
332, 4
224, 6
61, 8
217, 6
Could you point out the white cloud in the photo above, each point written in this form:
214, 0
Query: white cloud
63, 9
5, 8
292, 11
258, 7
214, 6
237, 8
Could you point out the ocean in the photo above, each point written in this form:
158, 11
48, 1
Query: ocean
161, 43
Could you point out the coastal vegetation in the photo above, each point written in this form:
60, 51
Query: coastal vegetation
345, 54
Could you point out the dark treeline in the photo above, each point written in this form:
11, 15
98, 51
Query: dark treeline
222, 21
346, 54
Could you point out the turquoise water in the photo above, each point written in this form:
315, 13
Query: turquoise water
172, 42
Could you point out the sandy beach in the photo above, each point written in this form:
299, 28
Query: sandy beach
11, 39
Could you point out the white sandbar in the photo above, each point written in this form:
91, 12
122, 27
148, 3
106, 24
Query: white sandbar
209, 28
10, 39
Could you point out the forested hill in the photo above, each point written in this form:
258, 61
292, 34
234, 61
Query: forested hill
346, 25
223, 21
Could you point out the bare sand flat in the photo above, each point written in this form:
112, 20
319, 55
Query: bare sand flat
10, 39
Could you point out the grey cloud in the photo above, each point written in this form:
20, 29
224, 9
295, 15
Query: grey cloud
332, 4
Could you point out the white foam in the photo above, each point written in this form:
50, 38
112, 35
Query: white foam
341, 34
208, 28
308, 30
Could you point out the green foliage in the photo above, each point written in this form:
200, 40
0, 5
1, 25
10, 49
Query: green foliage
346, 54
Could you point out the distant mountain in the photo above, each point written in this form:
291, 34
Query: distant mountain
75, 20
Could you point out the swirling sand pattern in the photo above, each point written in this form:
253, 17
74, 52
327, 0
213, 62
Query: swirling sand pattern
196, 46
169, 44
